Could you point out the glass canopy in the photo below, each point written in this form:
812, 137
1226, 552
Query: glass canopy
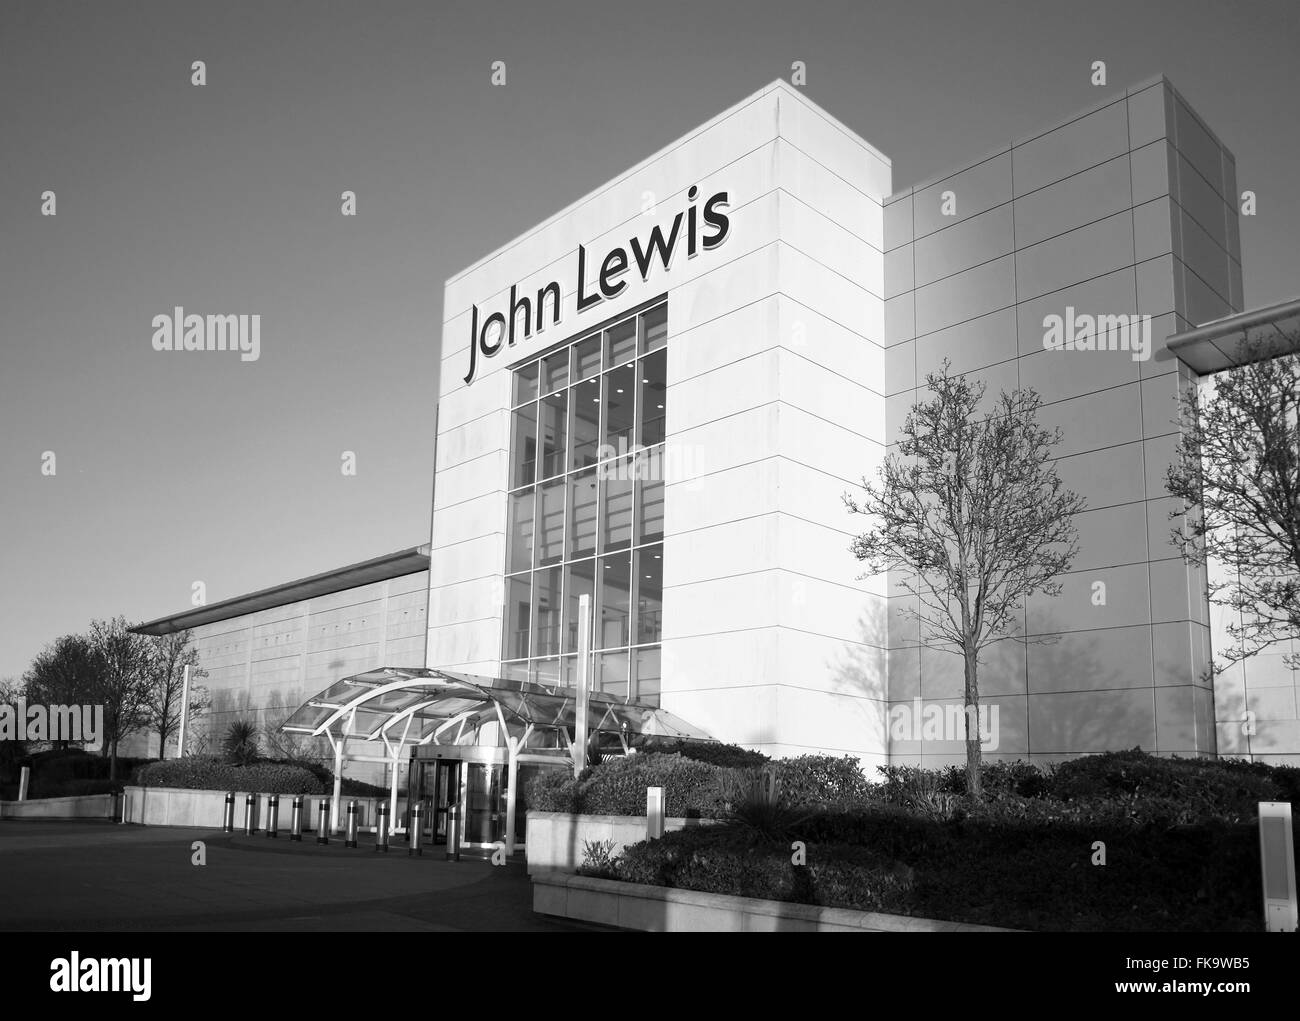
414, 705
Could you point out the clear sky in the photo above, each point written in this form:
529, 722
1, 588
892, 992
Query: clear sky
175, 468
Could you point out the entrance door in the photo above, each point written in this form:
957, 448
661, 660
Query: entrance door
446, 794
485, 804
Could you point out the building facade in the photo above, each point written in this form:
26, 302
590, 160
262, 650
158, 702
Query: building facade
769, 355
659, 397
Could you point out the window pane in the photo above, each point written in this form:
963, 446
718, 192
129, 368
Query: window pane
555, 413
620, 343
620, 388
526, 383
515, 671
550, 527
523, 446
650, 506
546, 612
579, 580
582, 514
586, 358
569, 671
611, 674
616, 512
648, 673
653, 380
649, 594
521, 530
555, 371
654, 329
584, 424
517, 617
546, 671
612, 579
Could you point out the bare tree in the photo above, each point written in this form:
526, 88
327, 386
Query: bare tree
169, 656
122, 685
972, 514
1237, 470
63, 673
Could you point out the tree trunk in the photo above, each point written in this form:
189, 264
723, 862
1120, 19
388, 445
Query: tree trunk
112, 765
974, 785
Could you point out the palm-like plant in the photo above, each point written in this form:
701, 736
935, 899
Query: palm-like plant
754, 801
240, 745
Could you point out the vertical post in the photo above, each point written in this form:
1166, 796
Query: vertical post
584, 684
323, 822
295, 822
1277, 865
185, 712
654, 813
228, 817
273, 816
250, 814
351, 838
512, 781
381, 828
24, 779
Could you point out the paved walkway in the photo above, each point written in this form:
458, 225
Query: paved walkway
85, 876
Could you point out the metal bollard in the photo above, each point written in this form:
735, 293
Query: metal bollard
228, 819
351, 839
273, 816
381, 828
323, 823
295, 821
250, 815
415, 834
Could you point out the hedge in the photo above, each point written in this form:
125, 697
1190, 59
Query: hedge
693, 788
1027, 875
206, 772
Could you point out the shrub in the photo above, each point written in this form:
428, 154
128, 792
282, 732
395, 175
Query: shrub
1205, 787
824, 780
617, 786
553, 790
209, 773
755, 802
729, 755
598, 859
240, 744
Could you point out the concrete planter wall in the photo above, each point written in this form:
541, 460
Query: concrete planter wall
555, 840
81, 806
660, 909
175, 806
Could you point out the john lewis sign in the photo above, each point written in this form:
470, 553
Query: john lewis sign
529, 315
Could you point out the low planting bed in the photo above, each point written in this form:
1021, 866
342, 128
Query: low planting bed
1178, 838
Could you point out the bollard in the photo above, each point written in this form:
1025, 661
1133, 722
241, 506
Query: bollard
351, 839
323, 822
24, 780
295, 821
453, 833
250, 815
381, 828
228, 819
654, 813
273, 816
415, 833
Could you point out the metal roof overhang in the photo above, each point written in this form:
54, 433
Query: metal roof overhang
1226, 342
415, 705
390, 565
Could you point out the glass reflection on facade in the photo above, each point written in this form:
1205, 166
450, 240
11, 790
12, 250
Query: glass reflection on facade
582, 520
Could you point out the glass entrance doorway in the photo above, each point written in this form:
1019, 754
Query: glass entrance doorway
462, 792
